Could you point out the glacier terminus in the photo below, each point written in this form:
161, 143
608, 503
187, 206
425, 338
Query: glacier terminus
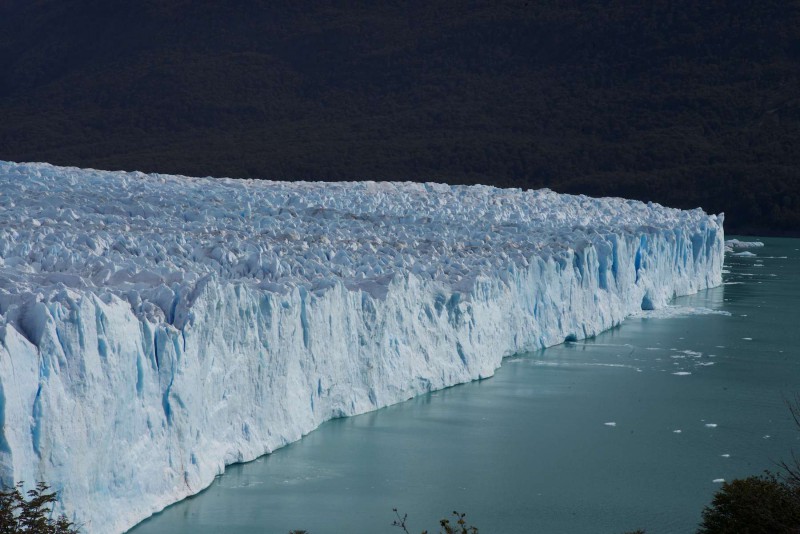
155, 328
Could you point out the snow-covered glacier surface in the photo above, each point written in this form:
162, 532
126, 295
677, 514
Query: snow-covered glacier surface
155, 328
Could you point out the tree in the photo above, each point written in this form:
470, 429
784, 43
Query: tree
791, 468
31, 513
754, 505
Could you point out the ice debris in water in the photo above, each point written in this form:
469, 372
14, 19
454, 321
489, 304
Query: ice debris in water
736, 243
678, 311
156, 328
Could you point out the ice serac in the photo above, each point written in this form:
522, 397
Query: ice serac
155, 328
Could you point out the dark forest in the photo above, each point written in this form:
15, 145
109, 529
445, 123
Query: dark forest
685, 103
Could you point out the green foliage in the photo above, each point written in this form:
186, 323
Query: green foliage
754, 505
790, 470
31, 513
457, 526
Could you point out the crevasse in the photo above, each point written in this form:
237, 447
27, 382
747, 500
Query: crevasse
154, 328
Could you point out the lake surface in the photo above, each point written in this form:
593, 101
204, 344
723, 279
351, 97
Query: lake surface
692, 399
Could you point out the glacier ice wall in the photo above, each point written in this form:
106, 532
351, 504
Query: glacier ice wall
155, 328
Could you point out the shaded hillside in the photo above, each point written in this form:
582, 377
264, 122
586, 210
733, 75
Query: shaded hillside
684, 103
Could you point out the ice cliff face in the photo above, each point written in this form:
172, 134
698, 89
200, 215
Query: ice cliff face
155, 328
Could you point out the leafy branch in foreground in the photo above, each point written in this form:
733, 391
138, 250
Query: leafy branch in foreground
791, 468
753, 505
31, 513
459, 527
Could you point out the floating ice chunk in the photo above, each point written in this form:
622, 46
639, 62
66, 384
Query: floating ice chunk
610, 423
677, 431
735, 243
711, 425
744, 254
747, 338
726, 455
678, 311
718, 480
682, 373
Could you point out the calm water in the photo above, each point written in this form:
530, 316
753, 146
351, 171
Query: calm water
529, 450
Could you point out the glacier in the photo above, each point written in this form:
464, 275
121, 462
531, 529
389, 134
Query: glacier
155, 328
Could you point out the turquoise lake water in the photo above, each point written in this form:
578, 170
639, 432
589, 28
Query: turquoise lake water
533, 449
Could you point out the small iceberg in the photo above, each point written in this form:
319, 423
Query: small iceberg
736, 243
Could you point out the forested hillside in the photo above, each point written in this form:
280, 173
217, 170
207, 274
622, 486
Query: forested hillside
681, 102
